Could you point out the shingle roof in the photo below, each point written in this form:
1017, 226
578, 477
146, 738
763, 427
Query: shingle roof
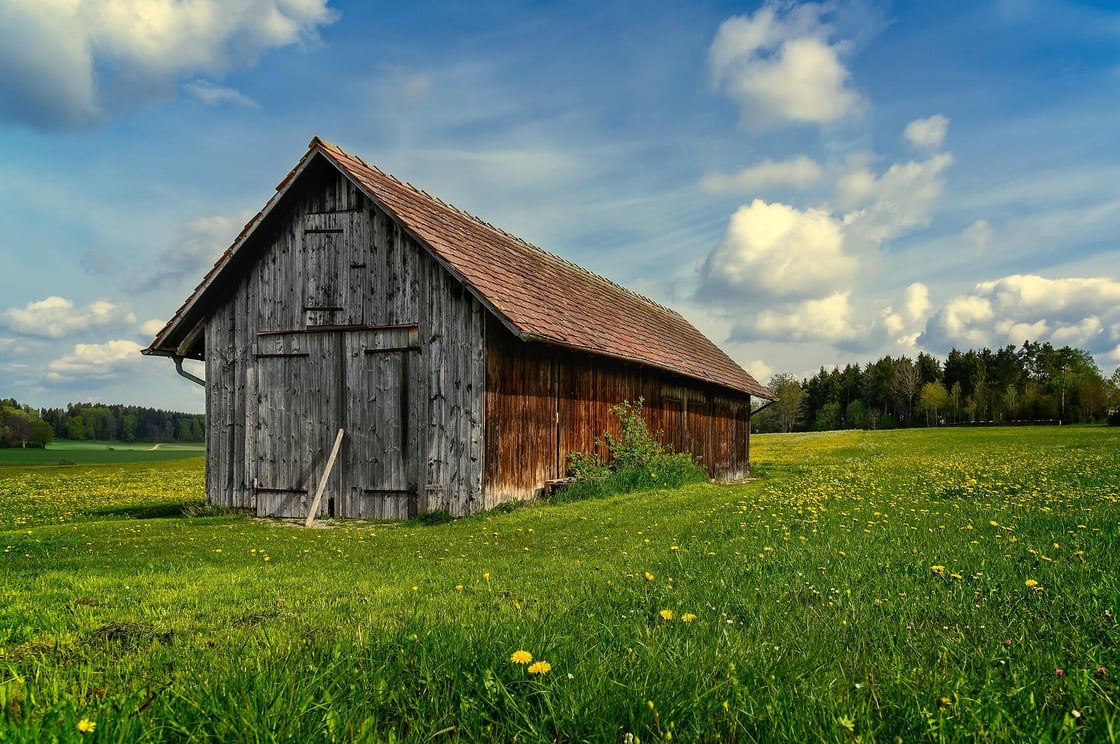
536, 294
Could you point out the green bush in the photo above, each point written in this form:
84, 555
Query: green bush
637, 461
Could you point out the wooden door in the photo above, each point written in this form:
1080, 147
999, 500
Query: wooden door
382, 430
296, 421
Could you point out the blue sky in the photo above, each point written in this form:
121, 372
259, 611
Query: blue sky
810, 184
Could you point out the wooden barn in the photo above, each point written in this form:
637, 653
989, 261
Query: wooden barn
461, 363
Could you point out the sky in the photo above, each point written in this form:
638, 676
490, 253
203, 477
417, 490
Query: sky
809, 184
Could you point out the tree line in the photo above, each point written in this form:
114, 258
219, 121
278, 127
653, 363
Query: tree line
24, 426
1032, 383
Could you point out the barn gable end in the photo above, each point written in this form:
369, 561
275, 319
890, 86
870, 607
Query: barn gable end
343, 321
462, 363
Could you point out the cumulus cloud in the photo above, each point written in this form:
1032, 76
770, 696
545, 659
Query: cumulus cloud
903, 325
827, 319
781, 66
74, 63
774, 250
800, 171
927, 134
149, 328
1080, 312
192, 253
56, 317
94, 361
215, 95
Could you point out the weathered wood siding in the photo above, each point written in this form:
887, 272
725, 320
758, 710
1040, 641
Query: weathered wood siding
545, 401
341, 320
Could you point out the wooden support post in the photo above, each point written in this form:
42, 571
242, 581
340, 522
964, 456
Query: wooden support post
323, 481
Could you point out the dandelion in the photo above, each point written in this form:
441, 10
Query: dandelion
458, 587
649, 576
666, 614
86, 726
540, 667
937, 570
521, 657
688, 617
1031, 582
486, 576
674, 547
943, 701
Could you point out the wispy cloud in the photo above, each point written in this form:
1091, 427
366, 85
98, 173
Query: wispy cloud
215, 95
800, 171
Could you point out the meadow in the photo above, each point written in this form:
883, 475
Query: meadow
69, 452
919, 585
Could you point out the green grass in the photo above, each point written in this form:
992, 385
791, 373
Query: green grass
819, 613
70, 452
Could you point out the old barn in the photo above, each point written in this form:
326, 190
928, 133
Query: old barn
461, 363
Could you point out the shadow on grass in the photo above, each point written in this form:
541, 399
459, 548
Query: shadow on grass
175, 510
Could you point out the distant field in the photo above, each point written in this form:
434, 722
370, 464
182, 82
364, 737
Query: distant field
68, 452
921, 585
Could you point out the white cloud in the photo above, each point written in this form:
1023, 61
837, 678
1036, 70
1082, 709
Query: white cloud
927, 134
891, 204
149, 328
780, 66
827, 319
904, 327
774, 250
979, 234
1067, 312
800, 171
90, 58
55, 317
215, 95
94, 361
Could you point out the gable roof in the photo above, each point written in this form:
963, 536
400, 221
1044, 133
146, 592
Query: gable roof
537, 295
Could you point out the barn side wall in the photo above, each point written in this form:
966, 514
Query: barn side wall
545, 401
376, 276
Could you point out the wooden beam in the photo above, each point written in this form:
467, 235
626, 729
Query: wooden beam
184, 348
323, 481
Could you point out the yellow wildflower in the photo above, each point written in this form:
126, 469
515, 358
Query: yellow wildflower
1031, 582
939, 570
521, 657
649, 576
86, 726
688, 617
540, 667
666, 614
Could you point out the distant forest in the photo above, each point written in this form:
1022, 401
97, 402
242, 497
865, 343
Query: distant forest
1034, 383
24, 426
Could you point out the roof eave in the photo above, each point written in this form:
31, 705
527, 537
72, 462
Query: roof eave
161, 345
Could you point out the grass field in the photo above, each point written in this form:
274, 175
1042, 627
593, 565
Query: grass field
68, 452
950, 585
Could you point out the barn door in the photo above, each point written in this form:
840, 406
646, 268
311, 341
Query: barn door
381, 450
296, 410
